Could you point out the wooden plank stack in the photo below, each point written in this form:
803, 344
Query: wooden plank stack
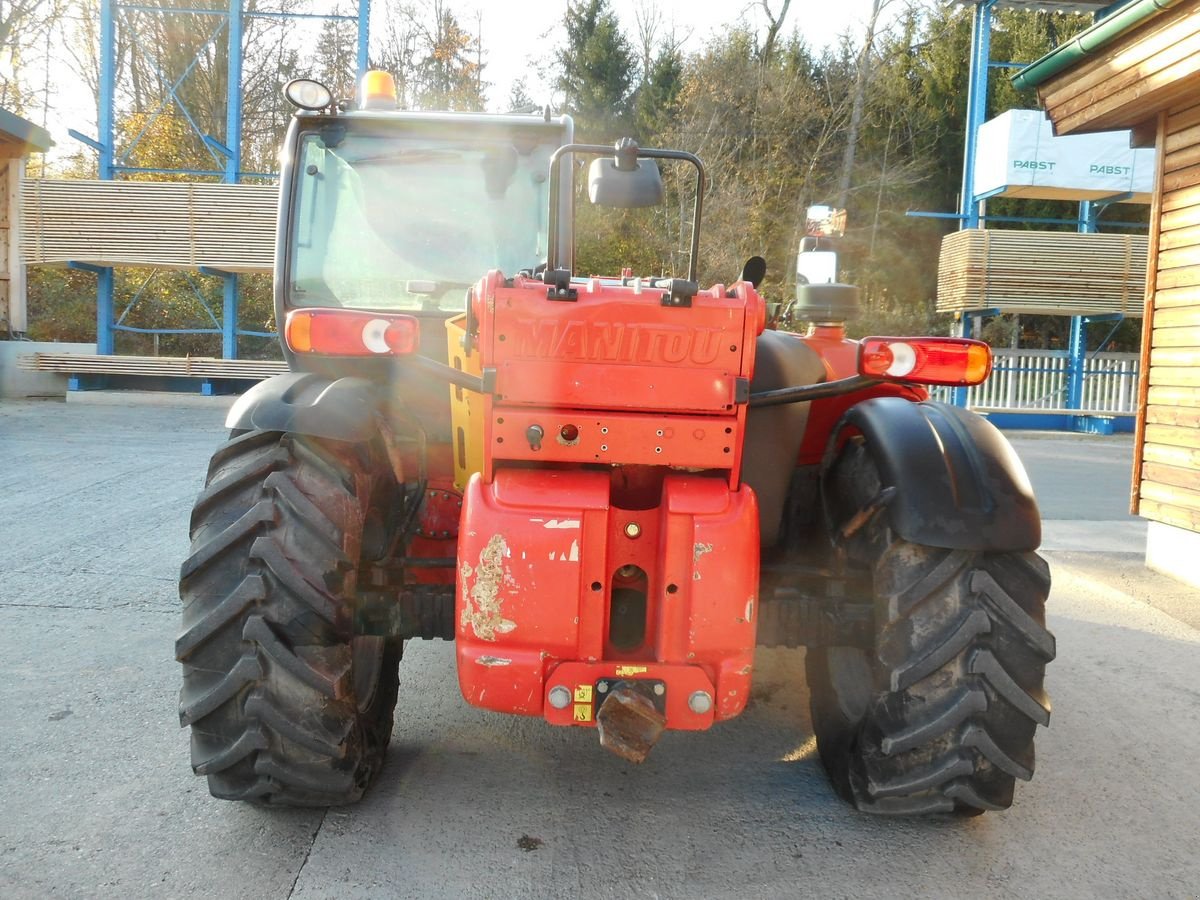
174, 225
159, 366
1046, 272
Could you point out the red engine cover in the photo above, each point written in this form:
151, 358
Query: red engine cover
614, 376
540, 553
607, 537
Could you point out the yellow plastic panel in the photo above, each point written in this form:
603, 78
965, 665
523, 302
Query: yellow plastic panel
466, 407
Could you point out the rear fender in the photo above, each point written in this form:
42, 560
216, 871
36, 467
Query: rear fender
958, 482
304, 403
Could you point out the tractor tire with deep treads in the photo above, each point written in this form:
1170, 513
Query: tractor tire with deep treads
940, 716
287, 705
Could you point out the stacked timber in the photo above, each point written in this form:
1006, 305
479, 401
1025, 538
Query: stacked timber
172, 225
158, 366
1046, 272
1169, 487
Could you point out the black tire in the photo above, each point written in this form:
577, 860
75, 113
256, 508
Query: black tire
941, 715
287, 705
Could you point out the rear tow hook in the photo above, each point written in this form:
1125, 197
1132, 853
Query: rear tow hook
628, 722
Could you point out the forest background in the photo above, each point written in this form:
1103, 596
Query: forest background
873, 124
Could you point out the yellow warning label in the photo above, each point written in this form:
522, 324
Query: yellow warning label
630, 670
583, 712
583, 693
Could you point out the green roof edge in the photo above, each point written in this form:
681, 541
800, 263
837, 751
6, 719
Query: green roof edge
1088, 42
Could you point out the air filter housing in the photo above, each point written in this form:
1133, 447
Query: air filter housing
825, 302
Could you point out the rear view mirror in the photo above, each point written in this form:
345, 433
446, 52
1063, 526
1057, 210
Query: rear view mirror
612, 182
624, 177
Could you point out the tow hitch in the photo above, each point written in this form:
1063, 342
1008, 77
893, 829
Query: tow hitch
629, 721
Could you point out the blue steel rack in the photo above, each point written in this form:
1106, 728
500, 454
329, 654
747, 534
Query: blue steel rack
226, 153
969, 215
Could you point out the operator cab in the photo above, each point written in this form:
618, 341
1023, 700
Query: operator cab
394, 210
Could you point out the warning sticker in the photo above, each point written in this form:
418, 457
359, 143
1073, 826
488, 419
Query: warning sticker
583, 712
630, 670
583, 693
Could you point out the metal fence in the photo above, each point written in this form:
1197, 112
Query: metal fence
1038, 380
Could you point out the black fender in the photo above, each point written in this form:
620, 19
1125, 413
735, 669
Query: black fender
774, 433
958, 482
342, 409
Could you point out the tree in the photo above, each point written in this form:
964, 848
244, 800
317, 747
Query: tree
397, 52
24, 24
337, 56
656, 98
656, 102
449, 68
597, 68
861, 77
774, 26
767, 134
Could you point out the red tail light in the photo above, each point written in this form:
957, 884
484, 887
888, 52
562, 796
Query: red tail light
341, 332
926, 360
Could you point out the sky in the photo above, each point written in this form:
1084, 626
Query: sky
520, 39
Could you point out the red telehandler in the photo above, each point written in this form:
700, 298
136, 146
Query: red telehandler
606, 490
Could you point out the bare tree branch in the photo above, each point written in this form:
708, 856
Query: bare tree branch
774, 24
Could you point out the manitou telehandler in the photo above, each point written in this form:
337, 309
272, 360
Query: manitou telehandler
606, 490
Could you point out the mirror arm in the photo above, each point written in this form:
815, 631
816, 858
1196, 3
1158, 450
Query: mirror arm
552, 250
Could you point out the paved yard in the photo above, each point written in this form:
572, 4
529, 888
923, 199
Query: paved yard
98, 799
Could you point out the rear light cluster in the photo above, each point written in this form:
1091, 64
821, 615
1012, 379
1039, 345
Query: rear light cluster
927, 360
340, 332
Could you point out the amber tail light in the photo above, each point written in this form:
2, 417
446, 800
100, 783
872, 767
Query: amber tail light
926, 360
342, 332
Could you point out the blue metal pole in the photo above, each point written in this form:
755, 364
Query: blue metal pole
977, 92
105, 343
364, 35
108, 65
233, 167
1077, 347
1087, 217
229, 318
233, 106
105, 338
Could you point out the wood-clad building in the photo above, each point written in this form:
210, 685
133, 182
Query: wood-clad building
1139, 68
18, 138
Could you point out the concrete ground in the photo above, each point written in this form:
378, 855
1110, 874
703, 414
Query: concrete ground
97, 798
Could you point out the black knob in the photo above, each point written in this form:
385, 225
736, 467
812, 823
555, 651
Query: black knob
534, 435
